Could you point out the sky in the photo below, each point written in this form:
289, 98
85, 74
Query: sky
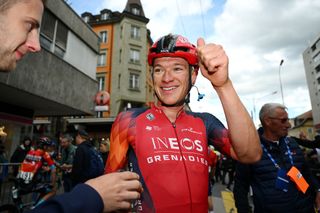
256, 35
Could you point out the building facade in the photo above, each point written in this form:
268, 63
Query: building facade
122, 70
58, 81
311, 58
122, 65
303, 124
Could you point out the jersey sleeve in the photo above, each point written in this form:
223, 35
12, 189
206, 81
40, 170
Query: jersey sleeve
48, 158
119, 142
218, 135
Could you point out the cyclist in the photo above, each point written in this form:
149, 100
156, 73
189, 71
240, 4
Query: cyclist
30, 177
167, 145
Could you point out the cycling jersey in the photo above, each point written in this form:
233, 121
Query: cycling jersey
171, 158
32, 163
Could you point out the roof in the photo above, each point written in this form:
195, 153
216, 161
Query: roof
133, 3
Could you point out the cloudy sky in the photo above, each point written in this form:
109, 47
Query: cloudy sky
256, 34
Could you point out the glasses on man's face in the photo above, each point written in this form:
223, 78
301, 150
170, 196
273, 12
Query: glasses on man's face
282, 120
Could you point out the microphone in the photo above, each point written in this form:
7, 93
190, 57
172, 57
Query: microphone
200, 95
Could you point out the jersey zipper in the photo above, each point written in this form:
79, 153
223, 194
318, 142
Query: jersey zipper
184, 164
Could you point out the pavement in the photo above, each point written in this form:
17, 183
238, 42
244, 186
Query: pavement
223, 201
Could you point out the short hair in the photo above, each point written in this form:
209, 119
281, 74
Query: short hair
83, 134
269, 109
7, 4
67, 136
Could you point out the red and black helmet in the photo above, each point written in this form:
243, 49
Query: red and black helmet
173, 46
44, 141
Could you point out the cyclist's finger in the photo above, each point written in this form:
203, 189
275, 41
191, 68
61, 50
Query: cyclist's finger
129, 175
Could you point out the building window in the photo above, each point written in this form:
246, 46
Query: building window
316, 58
104, 16
102, 58
135, 32
134, 56
135, 11
104, 36
313, 47
317, 68
101, 81
134, 81
86, 19
99, 114
54, 34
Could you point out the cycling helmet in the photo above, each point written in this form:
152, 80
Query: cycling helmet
44, 141
173, 46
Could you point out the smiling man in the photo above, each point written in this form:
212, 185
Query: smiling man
167, 145
19, 34
19, 30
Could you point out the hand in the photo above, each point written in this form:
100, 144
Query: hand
64, 166
213, 62
302, 135
117, 190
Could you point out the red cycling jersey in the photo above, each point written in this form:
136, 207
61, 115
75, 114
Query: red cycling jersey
32, 163
171, 158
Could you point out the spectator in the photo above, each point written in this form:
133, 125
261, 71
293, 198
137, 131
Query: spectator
82, 169
20, 153
228, 168
275, 187
67, 156
104, 149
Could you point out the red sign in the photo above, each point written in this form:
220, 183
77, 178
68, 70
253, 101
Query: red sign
102, 98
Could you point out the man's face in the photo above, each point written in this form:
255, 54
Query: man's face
64, 143
27, 142
278, 123
78, 139
103, 147
171, 80
19, 27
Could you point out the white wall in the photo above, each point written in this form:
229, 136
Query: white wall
80, 55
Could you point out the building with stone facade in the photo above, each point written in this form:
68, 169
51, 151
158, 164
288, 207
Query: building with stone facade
58, 81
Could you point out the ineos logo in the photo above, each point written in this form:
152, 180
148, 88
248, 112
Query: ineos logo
173, 144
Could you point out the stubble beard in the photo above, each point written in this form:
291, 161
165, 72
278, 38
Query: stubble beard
7, 61
7, 58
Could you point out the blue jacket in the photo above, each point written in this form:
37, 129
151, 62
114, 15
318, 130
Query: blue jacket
82, 199
262, 178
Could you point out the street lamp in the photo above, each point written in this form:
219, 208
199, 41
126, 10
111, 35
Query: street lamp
254, 100
281, 62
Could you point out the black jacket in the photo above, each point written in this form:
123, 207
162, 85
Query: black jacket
82, 199
81, 163
262, 178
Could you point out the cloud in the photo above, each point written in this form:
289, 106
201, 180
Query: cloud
165, 15
257, 35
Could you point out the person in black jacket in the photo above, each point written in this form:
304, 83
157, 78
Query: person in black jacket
273, 189
303, 141
81, 167
20, 153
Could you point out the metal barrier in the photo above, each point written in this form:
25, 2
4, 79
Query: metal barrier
6, 175
6, 183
